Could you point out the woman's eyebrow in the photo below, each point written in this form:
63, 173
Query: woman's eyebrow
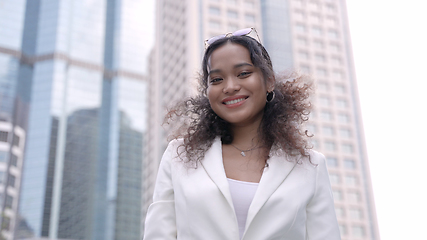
243, 64
235, 66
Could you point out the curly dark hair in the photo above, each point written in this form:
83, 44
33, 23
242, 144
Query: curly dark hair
280, 127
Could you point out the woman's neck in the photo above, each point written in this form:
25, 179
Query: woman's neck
246, 136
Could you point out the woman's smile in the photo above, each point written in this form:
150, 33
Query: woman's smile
235, 101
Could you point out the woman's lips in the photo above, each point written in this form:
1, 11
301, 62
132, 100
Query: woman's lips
234, 101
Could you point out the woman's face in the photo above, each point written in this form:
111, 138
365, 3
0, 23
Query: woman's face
236, 88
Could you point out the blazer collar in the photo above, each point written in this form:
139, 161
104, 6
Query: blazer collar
279, 167
273, 176
214, 167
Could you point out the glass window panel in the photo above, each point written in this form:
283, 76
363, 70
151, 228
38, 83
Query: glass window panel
334, 178
332, 162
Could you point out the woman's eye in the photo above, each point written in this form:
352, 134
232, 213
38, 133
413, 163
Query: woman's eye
215, 80
244, 74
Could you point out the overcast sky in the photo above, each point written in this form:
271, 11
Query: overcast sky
390, 50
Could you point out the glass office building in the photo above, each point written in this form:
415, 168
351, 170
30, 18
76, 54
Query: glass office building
13, 112
73, 93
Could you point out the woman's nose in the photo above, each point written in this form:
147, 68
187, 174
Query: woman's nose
231, 85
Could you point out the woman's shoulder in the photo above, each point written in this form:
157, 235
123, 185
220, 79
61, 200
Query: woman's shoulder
316, 157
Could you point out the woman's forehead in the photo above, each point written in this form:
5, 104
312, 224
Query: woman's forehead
228, 54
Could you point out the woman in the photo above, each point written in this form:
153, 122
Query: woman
242, 168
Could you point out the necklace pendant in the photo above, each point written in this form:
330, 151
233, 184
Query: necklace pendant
243, 154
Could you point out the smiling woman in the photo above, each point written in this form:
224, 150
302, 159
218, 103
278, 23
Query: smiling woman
258, 178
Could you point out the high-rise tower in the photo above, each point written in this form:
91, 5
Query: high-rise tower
83, 68
310, 35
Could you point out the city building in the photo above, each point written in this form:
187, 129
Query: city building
311, 36
13, 112
73, 117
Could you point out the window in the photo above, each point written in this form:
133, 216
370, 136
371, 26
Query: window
333, 34
298, 3
338, 74
323, 86
3, 136
232, 27
250, 17
351, 180
301, 28
343, 229
316, 18
336, 60
305, 69
5, 223
1, 179
317, 31
330, 146
214, 11
335, 47
331, 21
340, 212
330, 8
319, 44
302, 41
337, 195
347, 148
3, 156
303, 55
214, 24
320, 57
300, 14
9, 201
334, 178
345, 133
314, 5
15, 140
341, 103
343, 118
232, 14
349, 164
326, 116
339, 89
358, 231
325, 101
353, 197
315, 143
11, 180
321, 72
249, 4
328, 131
331, 162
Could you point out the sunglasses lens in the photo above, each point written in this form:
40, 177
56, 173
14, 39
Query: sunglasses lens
242, 32
213, 39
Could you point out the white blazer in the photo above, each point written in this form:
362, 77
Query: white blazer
292, 202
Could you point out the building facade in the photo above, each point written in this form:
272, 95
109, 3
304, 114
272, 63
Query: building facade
13, 112
73, 117
311, 36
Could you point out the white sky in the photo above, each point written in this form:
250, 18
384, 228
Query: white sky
390, 49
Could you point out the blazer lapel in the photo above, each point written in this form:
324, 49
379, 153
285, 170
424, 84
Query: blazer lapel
214, 167
273, 176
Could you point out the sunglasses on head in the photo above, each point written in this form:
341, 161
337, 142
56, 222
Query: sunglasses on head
241, 32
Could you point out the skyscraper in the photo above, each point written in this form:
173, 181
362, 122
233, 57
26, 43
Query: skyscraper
13, 112
77, 72
309, 35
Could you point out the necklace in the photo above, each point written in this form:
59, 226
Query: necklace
242, 152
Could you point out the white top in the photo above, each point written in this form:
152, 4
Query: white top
242, 194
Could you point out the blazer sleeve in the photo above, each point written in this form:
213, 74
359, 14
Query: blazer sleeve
160, 222
321, 218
